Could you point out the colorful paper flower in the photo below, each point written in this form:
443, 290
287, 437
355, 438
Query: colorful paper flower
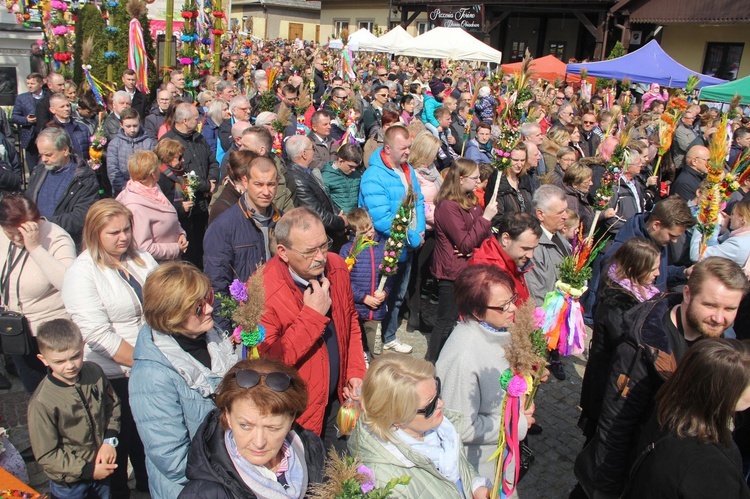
238, 290
517, 386
370, 483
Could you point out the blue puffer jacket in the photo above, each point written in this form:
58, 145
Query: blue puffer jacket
365, 279
168, 413
428, 111
382, 192
118, 152
233, 247
475, 152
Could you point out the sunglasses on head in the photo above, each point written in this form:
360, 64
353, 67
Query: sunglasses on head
248, 378
430, 408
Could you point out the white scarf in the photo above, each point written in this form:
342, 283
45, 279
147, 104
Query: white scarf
195, 374
441, 446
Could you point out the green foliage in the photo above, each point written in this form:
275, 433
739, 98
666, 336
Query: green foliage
90, 24
569, 274
617, 51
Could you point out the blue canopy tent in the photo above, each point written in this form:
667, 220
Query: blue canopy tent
648, 64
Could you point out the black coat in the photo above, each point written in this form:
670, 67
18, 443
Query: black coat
611, 304
82, 192
685, 467
198, 159
212, 474
306, 191
686, 183
507, 196
647, 355
225, 134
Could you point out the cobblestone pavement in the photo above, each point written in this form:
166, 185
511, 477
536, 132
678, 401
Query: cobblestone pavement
550, 477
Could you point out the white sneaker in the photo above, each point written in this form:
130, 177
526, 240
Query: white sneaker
397, 346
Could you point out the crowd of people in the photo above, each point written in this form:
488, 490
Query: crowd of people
120, 274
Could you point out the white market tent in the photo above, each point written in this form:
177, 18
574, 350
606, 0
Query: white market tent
389, 42
449, 43
357, 38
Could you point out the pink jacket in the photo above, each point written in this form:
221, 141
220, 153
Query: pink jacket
429, 191
155, 226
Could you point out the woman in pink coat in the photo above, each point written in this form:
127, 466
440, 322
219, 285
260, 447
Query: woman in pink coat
156, 228
424, 150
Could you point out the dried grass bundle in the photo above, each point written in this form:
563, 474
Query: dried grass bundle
304, 98
248, 314
87, 50
338, 470
136, 8
520, 350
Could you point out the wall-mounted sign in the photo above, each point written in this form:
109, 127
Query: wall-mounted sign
470, 17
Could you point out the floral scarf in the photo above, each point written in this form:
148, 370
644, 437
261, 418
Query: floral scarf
177, 178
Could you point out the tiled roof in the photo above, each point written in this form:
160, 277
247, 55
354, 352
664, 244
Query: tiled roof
686, 11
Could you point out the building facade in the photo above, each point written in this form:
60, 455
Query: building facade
270, 19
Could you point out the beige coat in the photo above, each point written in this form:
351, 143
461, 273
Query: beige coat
42, 275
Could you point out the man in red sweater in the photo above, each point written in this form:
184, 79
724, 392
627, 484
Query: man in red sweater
310, 320
518, 235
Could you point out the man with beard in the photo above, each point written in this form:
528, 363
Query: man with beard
310, 320
63, 187
657, 334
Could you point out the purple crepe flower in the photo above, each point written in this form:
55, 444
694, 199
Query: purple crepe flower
238, 291
370, 484
540, 317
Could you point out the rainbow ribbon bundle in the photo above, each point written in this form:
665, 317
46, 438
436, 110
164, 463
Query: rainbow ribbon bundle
347, 66
137, 57
564, 326
96, 85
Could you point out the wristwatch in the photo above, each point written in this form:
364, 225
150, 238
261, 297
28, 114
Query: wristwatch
112, 441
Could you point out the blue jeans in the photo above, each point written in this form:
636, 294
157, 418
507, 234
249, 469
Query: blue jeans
92, 489
399, 284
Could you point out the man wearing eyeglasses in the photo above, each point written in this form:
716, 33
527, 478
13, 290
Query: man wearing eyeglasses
564, 115
589, 140
239, 108
310, 320
374, 111
684, 136
158, 113
239, 239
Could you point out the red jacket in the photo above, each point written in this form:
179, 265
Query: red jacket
491, 252
294, 333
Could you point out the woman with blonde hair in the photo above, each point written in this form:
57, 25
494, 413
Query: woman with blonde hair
156, 228
424, 150
555, 138
460, 228
404, 429
103, 293
180, 358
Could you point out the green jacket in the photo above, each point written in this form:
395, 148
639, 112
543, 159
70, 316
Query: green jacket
343, 189
426, 481
68, 423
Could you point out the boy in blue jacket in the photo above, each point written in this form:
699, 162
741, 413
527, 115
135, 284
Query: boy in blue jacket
363, 266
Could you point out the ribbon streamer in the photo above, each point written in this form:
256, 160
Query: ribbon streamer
137, 57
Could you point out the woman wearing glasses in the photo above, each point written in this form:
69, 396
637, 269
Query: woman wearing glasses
249, 446
103, 293
180, 358
460, 227
474, 358
172, 177
404, 429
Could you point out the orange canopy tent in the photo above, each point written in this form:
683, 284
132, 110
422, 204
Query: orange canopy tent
548, 68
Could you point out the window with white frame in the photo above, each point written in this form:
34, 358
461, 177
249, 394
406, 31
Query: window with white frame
368, 25
422, 28
339, 26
